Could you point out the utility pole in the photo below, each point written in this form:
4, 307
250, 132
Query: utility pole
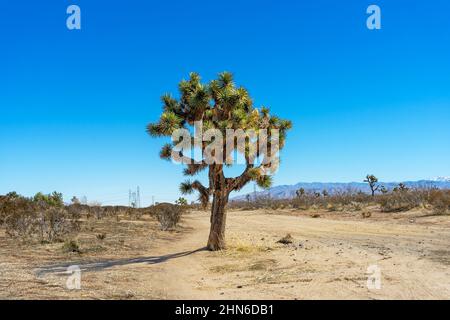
134, 198
138, 197
129, 198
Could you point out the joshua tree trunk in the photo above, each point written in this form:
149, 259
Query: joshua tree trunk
216, 240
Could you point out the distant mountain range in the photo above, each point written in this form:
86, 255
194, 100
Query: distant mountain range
288, 191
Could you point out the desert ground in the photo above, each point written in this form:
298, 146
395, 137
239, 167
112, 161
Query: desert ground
327, 259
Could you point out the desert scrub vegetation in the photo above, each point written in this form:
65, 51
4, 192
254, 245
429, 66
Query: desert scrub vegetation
403, 200
71, 246
339, 201
45, 218
100, 212
439, 201
400, 199
42, 218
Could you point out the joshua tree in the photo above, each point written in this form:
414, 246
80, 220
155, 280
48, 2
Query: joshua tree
75, 200
373, 183
13, 195
220, 106
181, 202
300, 192
401, 188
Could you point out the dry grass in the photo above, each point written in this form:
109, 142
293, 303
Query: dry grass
259, 265
241, 248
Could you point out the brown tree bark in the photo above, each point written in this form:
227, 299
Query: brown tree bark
216, 240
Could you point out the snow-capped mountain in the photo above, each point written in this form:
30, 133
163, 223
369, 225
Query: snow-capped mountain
442, 179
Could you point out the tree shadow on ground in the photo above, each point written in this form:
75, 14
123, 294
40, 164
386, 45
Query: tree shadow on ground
61, 269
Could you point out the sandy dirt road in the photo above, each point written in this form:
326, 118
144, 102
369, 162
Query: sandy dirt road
328, 259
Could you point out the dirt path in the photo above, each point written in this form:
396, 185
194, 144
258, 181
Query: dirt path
328, 259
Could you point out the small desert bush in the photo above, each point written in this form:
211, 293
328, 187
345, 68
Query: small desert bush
101, 236
439, 200
71, 246
168, 214
12, 203
399, 201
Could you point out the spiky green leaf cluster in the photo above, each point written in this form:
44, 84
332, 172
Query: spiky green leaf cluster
222, 105
186, 187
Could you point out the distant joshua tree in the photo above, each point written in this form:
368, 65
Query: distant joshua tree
401, 188
373, 183
181, 202
383, 190
325, 193
220, 105
300, 192
13, 195
75, 200
247, 197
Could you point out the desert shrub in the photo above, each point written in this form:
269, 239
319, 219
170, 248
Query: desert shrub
12, 203
168, 215
97, 212
42, 224
366, 214
36, 219
54, 199
439, 200
55, 223
400, 201
71, 246
77, 210
101, 236
355, 206
333, 207
304, 202
101, 212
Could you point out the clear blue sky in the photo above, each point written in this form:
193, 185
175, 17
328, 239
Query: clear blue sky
74, 104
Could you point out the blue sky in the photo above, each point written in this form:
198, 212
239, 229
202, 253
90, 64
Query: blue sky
74, 104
